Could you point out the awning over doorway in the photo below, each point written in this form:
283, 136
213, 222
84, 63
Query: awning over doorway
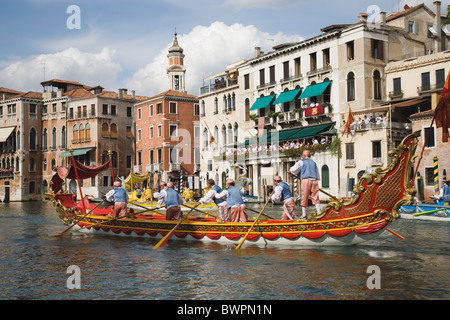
5, 133
288, 96
314, 90
76, 152
262, 102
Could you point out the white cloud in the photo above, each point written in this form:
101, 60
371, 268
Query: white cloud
70, 64
208, 50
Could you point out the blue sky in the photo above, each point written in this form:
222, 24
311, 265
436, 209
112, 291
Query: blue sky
124, 43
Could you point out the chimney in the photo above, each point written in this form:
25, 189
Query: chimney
438, 26
133, 94
257, 52
363, 17
125, 91
382, 18
120, 94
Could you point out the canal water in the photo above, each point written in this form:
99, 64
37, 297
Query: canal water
34, 265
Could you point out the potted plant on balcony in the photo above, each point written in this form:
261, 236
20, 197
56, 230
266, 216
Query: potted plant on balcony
272, 116
297, 113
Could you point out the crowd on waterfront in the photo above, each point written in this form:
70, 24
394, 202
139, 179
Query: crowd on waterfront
259, 148
369, 122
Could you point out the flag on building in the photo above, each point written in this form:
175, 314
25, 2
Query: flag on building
350, 120
261, 124
442, 111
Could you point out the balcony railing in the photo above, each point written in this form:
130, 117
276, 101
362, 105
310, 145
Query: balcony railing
157, 167
377, 161
218, 85
266, 85
174, 167
430, 88
396, 94
319, 71
292, 78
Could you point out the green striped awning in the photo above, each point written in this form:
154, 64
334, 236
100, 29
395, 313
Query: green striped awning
315, 90
262, 102
288, 96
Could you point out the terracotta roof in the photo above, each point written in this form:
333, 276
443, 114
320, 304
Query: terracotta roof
29, 94
423, 114
396, 15
174, 93
6, 90
48, 82
80, 93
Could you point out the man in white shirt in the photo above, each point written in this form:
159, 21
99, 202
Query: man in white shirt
210, 196
160, 196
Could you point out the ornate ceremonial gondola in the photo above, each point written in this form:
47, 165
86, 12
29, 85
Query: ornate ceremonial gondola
378, 198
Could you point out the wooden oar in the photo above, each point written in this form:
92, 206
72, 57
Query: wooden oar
60, 234
164, 240
146, 208
201, 211
250, 229
102, 223
333, 197
264, 214
395, 234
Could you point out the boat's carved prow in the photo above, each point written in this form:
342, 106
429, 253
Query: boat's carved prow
381, 192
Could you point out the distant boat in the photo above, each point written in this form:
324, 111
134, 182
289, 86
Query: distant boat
426, 211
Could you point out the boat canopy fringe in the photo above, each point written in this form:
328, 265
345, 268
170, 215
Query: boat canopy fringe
84, 172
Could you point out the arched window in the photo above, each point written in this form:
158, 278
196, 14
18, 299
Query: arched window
205, 139
76, 136
63, 137
216, 135
327, 92
351, 86
224, 104
113, 129
54, 138
325, 177
32, 165
18, 140
216, 106
203, 108
230, 134
44, 139
224, 135
88, 132
247, 109
82, 133
33, 144
105, 130
236, 129
377, 85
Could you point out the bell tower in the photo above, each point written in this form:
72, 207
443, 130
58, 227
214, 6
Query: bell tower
176, 70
